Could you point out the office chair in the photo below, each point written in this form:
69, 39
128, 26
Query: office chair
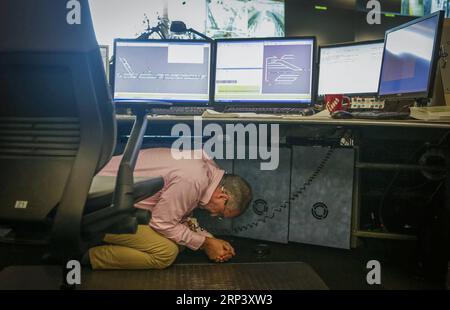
57, 131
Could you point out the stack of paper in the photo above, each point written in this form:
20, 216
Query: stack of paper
431, 113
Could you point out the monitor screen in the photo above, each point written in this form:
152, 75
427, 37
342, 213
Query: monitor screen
104, 52
350, 69
172, 71
409, 56
265, 70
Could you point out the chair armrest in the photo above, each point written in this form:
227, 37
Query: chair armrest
123, 199
123, 194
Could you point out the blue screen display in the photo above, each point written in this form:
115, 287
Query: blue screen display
265, 71
408, 58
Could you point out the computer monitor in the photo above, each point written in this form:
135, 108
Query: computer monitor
410, 56
265, 71
350, 69
176, 71
104, 51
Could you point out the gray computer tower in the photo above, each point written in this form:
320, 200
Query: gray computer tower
322, 187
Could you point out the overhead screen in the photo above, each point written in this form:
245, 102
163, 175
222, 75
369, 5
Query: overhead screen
175, 71
421, 8
244, 18
409, 7
275, 70
350, 69
218, 19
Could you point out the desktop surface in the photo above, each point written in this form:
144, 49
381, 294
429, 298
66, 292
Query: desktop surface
305, 120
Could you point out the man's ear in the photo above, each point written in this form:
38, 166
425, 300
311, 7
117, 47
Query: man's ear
217, 193
223, 195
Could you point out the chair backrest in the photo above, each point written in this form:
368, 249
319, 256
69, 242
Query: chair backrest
57, 121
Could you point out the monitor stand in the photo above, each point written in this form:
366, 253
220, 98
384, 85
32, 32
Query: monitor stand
441, 90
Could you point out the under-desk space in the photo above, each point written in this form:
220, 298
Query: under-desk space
369, 142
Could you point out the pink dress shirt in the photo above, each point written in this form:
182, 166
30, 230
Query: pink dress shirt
188, 183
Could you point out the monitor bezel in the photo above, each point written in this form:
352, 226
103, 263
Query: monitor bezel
259, 103
124, 102
431, 77
369, 42
106, 48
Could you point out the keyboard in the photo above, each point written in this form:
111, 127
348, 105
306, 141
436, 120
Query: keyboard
380, 115
198, 111
271, 110
188, 111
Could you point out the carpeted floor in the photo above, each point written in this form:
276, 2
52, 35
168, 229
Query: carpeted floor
339, 269
231, 276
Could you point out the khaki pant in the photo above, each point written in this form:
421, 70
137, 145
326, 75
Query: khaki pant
144, 250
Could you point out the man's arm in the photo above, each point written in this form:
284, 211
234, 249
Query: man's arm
178, 200
194, 225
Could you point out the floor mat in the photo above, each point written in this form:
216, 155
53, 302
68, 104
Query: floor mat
251, 276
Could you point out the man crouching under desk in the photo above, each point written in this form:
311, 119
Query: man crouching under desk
188, 184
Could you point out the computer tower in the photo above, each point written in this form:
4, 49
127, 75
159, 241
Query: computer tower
267, 217
321, 190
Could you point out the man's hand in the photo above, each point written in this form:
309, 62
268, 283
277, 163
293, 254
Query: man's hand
228, 255
218, 250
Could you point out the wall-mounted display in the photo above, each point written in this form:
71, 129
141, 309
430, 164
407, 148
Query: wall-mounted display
215, 18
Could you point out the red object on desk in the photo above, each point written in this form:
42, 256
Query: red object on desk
337, 103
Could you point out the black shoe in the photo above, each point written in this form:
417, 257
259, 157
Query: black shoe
85, 260
50, 259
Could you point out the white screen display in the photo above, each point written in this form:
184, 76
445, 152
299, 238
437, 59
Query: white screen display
352, 69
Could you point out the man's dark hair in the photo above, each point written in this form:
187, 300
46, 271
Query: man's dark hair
239, 190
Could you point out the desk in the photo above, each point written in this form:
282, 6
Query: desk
303, 121
404, 129
366, 130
